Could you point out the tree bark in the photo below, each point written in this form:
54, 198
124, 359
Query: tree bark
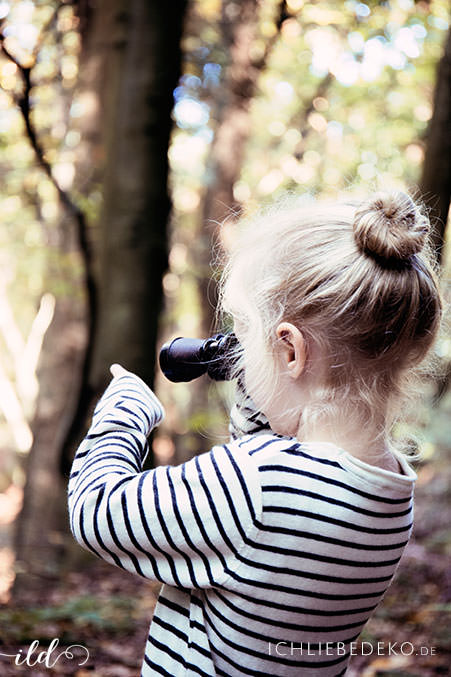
435, 185
42, 523
143, 71
140, 68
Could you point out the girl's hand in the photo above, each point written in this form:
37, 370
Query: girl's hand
117, 370
145, 410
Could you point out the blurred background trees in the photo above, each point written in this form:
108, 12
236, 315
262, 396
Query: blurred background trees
436, 177
105, 103
127, 66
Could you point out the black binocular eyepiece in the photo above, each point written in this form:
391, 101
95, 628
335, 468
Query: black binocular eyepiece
184, 359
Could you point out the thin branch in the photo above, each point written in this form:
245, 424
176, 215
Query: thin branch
14, 413
23, 101
282, 14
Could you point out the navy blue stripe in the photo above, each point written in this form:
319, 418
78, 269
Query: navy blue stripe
281, 660
120, 404
102, 462
113, 441
80, 492
198, 519
310, 536
162, 671
196, 625
299, 449
261, 446
289, 590
141, 409
242, 482
156, 667
229, 499
184, 637
167, 534
98, 464
298, 610
117, 542
122, 425
311, 575
115, 434
195, 668
100, 540
329, 480
171, 628
148, 533
82, 454
133, 414
184, 531
81, 524
334, 501
178, 658
98, 481
330, 520
123, 440
215, 514
305, 554
245, 629
99, 472
172, 605
152, 561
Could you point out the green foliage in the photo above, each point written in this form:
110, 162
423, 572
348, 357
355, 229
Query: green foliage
342, 102
344, 99
112, 615
45, 38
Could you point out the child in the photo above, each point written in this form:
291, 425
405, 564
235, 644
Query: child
275, 549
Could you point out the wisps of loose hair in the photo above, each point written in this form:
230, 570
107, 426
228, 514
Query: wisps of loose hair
358, 278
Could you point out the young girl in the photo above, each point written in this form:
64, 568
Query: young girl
275, 549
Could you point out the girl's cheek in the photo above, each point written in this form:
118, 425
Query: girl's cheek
250, 385
253, 379
261, 392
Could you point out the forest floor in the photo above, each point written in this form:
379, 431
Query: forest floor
107, 611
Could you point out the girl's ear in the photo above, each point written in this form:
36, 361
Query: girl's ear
293, 348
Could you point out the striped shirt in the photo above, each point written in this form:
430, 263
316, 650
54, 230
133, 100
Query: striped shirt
273, 553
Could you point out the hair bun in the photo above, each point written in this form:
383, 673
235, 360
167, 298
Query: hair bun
390, 227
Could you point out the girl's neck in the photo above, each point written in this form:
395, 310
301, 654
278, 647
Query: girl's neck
366, 443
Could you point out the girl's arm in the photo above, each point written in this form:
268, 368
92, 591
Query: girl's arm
181, 525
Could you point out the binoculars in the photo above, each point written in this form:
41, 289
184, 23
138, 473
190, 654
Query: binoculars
184, 359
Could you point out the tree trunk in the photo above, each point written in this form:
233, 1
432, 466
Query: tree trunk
129, 67
141, 67
39, 539
144, 69
435, 184
42, 530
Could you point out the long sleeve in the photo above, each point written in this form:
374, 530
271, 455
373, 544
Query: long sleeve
181, 525
245, 419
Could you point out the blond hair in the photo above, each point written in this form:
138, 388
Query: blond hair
358, 279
